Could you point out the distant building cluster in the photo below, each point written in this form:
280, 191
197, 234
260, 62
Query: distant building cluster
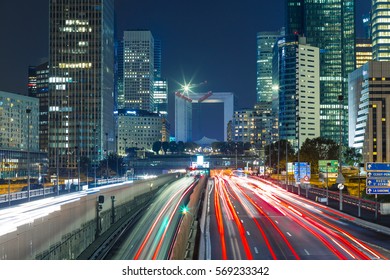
98, 94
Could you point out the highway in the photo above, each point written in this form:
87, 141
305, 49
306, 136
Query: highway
254, 219
152, 237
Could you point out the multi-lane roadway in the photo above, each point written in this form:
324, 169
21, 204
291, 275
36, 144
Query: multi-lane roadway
152, 237
254, 219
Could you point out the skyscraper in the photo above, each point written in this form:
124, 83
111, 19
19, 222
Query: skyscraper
81, 64
265, 44
160, 89
330, 26
297, 76
380, 26
264, 89
138, 70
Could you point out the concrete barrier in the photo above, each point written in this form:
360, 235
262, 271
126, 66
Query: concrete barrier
66, 233
385, 208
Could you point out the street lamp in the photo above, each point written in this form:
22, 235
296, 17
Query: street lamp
107, 155
327, 182
9, 183
285, 133
28, 111
360, 201
299, 164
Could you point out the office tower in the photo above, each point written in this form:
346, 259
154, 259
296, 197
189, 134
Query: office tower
265, 44
183, 118
138, 70
139, 129
330, 26
243, 126
363, 51
160, 89
81, 66
366, 26
369, 99
264, 88
118, 73
380, 26
32, 81
297, 77
39, 87
19, 141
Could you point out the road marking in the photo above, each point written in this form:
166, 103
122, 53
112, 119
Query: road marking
242, 221
247, 232
276, 222
238, 212
306, 252
288, 234
256, 251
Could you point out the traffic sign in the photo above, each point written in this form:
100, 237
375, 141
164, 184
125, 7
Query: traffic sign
332, 168
378, 191
378, 174
378, 166
377, 182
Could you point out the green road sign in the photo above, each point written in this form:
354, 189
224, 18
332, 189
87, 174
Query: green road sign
333, 166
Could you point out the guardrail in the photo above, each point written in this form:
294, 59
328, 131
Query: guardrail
49, 191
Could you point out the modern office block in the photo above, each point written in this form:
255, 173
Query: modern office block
81, 90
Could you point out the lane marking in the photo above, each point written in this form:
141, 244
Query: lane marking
276, 222
256, 251
306, 252
242, 221
288, 233
247, 232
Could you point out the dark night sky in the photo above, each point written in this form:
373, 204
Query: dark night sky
213, 40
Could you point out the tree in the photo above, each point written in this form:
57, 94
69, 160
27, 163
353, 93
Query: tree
278, 149
165, 147
313, 150
156, 147
173, 147
180, 147
352, 156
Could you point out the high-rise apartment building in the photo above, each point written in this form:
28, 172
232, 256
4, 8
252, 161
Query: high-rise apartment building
297, 77
330, 26
81, 90
380, 26
138, 70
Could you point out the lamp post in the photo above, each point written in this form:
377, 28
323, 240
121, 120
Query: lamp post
285, 133
236, 156
340, 185
9, 183
270, 158
107, 155
327, 182
299, 164
360, 202
28, 111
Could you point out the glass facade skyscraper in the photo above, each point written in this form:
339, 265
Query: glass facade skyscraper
138, 70
380, 26
330, 26
81, 95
